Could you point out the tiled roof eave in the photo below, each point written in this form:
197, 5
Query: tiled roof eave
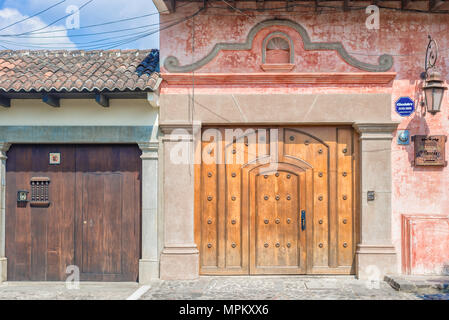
78, 71
77, 90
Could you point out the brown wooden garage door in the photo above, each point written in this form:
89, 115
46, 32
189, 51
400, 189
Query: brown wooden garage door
91, 219
277, 200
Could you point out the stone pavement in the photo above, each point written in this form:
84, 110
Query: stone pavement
213, 288
420, 284
274, 288
58, 291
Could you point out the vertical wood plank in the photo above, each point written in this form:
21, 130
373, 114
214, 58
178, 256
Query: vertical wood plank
345, 197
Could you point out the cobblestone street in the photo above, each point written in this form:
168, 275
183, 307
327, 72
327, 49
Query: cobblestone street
59, 291
274, 288
217, 288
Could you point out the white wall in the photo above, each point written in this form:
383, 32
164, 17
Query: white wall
78, 112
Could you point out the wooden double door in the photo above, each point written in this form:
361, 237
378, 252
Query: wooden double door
82, 210
276, 200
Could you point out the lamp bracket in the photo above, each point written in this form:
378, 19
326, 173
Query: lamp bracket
431, 57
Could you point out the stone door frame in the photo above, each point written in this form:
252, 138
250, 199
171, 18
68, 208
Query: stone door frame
370, 116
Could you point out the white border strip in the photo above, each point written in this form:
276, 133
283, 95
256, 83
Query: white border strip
139, 293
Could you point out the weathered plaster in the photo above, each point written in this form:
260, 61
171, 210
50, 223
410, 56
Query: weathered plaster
171, 63
402, 34
418, 191
425, 244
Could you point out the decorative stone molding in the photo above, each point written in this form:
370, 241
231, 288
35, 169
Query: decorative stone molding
168, 128
376, 249
149, 150
180, 249
279, 78
282, 35
376, 131
277, 67
4, 147
180, 131
172, 64
75, 134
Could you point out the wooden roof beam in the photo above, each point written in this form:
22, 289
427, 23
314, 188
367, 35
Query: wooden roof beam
102, 100
5, 102
405, 4
51, 100
434, 5
171, 5
165, 6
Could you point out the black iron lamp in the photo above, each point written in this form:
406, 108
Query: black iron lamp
434, 87
434, 91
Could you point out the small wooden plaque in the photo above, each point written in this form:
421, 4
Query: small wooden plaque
430, 150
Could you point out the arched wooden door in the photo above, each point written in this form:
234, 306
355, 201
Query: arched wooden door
272, 200
277, 198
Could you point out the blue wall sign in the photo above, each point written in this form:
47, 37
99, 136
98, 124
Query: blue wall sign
405, 106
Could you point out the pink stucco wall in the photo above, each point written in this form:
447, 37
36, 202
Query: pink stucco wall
420, 191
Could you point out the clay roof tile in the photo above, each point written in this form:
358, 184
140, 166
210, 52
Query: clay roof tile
45, 70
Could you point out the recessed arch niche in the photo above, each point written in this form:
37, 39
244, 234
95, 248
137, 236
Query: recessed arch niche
277, 52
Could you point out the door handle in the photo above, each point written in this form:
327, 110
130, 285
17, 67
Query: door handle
303, 220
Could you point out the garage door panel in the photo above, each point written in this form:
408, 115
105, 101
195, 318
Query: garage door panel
110, 246
42, 241
35, 245
102, 211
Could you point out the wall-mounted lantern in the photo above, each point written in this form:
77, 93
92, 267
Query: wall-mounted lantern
434, 91
434, 87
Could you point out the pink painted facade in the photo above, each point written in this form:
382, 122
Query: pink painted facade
417, 192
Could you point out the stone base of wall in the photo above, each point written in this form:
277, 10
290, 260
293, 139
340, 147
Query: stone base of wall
3, 269
148, 270
375, 261
180, 263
